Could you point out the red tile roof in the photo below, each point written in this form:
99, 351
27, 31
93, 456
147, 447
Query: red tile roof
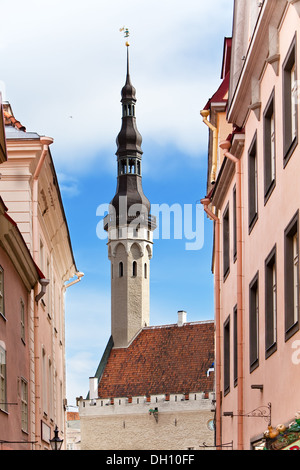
160, 360
72, 416
10, 120
219, 96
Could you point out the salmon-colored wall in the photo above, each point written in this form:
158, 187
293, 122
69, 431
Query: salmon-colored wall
279, 373
17, 353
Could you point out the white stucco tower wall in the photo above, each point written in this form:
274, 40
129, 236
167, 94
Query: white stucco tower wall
129, 253
130, 231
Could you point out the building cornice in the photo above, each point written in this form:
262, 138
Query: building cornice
262, 49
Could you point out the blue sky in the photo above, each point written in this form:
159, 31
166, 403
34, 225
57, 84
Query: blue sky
63, 64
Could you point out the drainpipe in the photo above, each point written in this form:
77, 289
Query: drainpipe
226, 146
212, 216
205, 113
35, 250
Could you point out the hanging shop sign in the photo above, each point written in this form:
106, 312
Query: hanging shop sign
282, 437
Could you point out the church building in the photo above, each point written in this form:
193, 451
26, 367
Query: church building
153, 388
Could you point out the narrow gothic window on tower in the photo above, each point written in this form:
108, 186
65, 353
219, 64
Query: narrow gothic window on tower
134, 269
145, 270
121, 269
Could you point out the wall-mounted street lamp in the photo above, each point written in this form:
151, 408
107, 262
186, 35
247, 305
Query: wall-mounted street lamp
154, 412
56, 442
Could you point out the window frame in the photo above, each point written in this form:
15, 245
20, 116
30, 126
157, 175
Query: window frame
270, 306
235, 345
289, 142
254, 323
269, 147
226, 242
291, 323
234, 222
252, 184
3, 380
226, 351
24, 405
23, 321
2, 290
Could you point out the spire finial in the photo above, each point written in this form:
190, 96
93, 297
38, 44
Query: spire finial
126, 35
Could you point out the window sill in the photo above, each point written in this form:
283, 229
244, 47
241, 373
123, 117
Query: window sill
253, 222
254, 366
290, 151
226, 274
3, 316
291, 331
271, 350
270, 190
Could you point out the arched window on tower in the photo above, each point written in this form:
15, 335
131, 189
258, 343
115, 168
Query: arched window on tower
123, 167
145, 270
121, 270
132, 166
134, 269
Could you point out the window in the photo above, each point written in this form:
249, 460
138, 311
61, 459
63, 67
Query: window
134, 269
41, 256
128, 110
227, 356
234, 225
44, 383
235, 343
252, 185
2, 291
24, 405
291, 269
145, 271
290, 103
253, 323
269, 147
226, 242
22, 312
3, 396
121, 269
270, 303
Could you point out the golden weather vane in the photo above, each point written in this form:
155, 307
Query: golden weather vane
126, 34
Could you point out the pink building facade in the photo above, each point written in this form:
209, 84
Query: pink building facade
253, 197
18, 277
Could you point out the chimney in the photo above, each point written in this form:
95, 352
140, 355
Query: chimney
181, 318
93, 388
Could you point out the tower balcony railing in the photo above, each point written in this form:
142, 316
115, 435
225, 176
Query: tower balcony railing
111, 221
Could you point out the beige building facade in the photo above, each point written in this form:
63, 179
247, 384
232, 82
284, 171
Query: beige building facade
30, 190
254, 202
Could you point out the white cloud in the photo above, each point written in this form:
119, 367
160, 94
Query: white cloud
67, 58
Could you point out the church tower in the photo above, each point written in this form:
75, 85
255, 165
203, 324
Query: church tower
130, 230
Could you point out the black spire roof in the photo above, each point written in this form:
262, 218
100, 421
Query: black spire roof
129, 153
129, 140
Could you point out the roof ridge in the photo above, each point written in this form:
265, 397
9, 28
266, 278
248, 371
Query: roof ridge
10, 119
199, 322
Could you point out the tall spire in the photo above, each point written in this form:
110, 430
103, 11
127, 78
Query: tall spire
129, 226
129, 154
